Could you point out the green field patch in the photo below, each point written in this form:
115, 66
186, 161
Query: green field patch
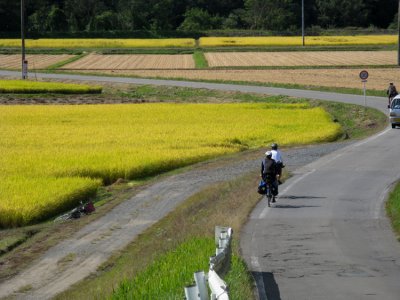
39, 87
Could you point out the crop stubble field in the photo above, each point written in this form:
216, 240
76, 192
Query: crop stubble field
300, 58
35, 61
127, 62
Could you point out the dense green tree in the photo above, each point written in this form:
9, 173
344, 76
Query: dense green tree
98, 15
273, 14
341, 13
197, 19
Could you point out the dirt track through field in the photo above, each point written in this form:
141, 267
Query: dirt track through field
130, 62
300, 58
35, 61
348, 78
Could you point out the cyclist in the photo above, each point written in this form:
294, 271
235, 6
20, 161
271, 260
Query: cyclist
277, 156
391, 92
269, 173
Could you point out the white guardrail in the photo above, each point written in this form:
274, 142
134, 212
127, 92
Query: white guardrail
218, 264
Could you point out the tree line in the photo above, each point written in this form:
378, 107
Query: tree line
46, 16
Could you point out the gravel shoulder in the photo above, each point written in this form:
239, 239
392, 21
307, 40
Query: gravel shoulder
80, 255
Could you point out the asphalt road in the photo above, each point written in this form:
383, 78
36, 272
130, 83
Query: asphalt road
327, 237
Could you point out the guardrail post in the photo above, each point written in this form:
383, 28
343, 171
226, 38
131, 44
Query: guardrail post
192, 292
218, 265
200, 279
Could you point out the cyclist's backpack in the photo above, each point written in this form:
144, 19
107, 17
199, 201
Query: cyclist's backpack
262, 187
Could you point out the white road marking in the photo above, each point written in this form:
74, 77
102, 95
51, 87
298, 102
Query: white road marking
259, 279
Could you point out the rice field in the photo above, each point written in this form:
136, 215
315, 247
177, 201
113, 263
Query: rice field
35, 61
300, 58
34, 87
52, 156
297, 41
131, 62
99, 43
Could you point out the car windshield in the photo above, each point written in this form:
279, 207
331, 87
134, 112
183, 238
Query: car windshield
395, 104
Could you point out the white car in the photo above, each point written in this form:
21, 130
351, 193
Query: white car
394, 111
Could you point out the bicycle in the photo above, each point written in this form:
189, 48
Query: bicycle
266, 188
77, 212
269, 194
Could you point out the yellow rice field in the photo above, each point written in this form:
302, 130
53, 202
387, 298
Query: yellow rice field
99, 43
51, 156
35, 61
30, 87
130, 62
297, 41
301, 58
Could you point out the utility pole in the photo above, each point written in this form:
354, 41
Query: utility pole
398, 29
23, 63
302, 20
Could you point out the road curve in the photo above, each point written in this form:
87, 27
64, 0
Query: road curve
327, 237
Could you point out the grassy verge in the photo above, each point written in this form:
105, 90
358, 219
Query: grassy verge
393, 209
200, 60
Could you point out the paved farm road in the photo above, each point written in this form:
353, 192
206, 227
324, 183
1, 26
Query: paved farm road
327, 237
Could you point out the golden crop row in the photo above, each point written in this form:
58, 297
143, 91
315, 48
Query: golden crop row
205, 42
99, 43
51, 156
27, 86
297, 41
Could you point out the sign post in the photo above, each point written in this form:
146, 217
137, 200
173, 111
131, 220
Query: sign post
363, 76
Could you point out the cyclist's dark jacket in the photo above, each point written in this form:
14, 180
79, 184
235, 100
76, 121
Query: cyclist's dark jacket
268, 169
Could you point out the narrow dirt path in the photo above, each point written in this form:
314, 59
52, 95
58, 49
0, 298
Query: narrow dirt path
94, 244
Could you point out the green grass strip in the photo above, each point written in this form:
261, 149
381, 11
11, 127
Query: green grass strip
67, 61
200, 60
39, 87
393, 209
166, 277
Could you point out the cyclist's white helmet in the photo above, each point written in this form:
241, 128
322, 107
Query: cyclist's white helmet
268, 153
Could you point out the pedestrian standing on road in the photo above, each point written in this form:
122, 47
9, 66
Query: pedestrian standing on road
269, 174
277, 156
391, 92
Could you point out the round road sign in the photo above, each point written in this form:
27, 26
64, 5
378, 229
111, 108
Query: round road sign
363, 75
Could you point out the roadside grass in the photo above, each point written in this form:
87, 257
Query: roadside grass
38, 87
393, 209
